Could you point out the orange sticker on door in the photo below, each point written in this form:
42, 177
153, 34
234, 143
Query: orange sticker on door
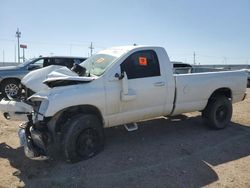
143, 61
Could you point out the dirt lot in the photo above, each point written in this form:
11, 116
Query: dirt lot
179, 152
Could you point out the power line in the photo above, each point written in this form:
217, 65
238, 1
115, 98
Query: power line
51, 43
8, 40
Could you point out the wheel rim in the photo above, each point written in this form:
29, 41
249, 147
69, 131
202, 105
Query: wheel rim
87, 143
11, 90
221, 113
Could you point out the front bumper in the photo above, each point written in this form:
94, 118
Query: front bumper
33, 141
15, 110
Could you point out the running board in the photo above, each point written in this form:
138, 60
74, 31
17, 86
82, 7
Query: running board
131, 126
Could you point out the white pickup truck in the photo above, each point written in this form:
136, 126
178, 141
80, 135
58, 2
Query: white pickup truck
119, 86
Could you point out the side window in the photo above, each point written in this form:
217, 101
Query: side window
39, 63
59, 61
78, 61
68, 62
47, 62
141, 64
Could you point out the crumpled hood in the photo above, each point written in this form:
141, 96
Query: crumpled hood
64, 76
34, 79
52, 76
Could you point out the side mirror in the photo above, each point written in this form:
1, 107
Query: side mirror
119, 76
33, 67
126, 94
125, 84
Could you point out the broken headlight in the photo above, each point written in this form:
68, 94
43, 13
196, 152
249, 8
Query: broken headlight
42, 109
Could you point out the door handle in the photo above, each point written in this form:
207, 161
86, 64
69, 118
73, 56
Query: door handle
159, 84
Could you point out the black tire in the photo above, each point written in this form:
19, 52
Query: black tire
218, 112
83, 138
11, 87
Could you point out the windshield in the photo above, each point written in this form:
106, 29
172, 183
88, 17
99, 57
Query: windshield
26, 62
98, 63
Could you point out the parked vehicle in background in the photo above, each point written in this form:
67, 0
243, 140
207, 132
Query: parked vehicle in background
119, 86
178, 64
11, 76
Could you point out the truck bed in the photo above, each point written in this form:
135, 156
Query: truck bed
195, 85
188, 70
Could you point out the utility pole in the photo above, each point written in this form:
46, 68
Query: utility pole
18, 35
91, 48
194, 58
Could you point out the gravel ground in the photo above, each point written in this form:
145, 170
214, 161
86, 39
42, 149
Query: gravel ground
176, 152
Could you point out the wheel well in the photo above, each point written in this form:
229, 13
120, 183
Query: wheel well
222, 92
66, 114
6, 79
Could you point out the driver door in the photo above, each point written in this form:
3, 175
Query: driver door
146, 90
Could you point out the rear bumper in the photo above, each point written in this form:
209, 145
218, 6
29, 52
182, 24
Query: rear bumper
33, 141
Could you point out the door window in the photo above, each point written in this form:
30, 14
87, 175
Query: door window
141, 64
68, 62
47, 62
38, 63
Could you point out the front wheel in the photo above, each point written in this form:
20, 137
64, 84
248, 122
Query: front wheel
11, 88
83, 138
218, 112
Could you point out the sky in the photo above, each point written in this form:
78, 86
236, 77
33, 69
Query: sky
218, 31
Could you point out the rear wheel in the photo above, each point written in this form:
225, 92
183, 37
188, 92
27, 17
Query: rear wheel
218, 112
11, 88
83, 138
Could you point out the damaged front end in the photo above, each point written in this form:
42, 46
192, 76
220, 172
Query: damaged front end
37, 135
33, 133
33, 140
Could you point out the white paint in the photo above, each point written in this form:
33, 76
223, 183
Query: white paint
34, 79
151, 96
